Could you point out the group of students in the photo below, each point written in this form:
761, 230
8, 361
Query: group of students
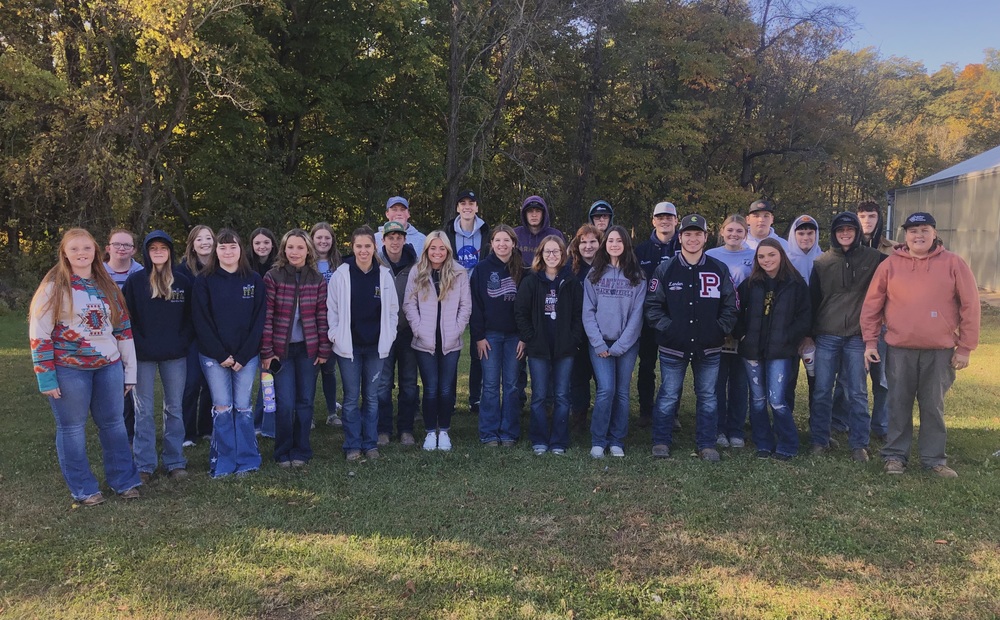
741, 315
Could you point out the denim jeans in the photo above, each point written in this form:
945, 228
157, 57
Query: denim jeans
100, 392
609, 424
549, 374
672, 371
438, 374
583, 372
328, 377
294, 392
172, 374
197, 401
234, 445
500, 420
403, 356
768, 386
360, 378
732, 396
840, 357
880, 396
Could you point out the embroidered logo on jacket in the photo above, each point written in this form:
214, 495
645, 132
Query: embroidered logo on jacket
501, 287
248, 291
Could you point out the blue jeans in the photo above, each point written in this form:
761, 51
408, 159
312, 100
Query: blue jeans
609, 424
732, 396
672, 371
402, 355
557, 373
500, 420
880, 396
172, 374
840, 358
263, 422
438, 374
361, 377
101, 392
768, 385
234, 445
294, 392
328, 376
197, 401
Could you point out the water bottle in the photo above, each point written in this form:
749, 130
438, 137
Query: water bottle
267, 389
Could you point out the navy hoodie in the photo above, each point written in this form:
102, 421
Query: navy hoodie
228, 313
161, 328
493, 294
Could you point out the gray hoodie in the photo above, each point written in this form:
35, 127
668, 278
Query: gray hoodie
803, 261
612, 311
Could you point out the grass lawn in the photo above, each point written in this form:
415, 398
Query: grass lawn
481, 533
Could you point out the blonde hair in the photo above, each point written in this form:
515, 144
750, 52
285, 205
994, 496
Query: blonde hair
282, 260
539, 263
60, 278
161, 278
191, 257
735, 218
449, 270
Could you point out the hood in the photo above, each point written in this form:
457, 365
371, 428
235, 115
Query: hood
793, 247
157, 235
545, 210
876, 239
457, 226
846, 219
408, 258
603, 207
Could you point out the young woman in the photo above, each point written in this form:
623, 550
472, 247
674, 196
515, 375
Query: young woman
613, 295
84, 358
438, 305
774, 317
327, 261
498, 343
731, 391
582, 250
362, 314
120, 265
199, 255
229, 312
548, 311
261, 253
295, 335
159, 304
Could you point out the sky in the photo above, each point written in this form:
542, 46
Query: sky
932, 31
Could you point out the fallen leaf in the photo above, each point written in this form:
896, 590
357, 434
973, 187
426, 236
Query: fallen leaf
940, 542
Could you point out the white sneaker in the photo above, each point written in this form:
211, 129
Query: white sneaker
444, 441
597, 452
539, 449
558, 451
617, 451
721, 441
187, 444
431, 443
736, 442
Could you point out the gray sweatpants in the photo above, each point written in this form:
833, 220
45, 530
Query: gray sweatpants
924, 374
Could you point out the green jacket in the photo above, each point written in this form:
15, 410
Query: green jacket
838, 286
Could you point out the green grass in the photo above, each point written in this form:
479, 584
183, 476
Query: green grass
504, 534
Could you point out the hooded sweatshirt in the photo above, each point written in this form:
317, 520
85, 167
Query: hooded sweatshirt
590, 212
229, 311
162, 328
925, 303
803, 261
612, 311
752, 243
527, 241
839, 282
120, 277
493, 294
470, 247
878, 242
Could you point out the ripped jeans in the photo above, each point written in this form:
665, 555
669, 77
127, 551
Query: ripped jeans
767, 380
360, 378
234, 444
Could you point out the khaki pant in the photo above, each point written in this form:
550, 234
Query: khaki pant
924, 375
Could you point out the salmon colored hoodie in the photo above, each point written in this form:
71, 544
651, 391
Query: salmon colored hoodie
925, 303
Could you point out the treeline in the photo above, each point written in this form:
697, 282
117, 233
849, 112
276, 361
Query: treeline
261, 112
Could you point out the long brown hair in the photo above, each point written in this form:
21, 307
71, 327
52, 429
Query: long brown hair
786, 271
539, 263
628, 263
334, 255
515, 266
449, 270
574, 245
282, 260
191, 257
60, 278
228, 235
161, 277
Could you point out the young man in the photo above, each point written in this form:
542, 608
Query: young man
661, 245
760, 217
120, 265
691, 305
927, 299
872, 228
470, 240
534, 227
397, 209
803, 245
601, 215
839, 280
400, 257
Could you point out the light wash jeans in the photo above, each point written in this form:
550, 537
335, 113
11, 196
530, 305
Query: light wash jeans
172, 375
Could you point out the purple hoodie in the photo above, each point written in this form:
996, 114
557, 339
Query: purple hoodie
527, 242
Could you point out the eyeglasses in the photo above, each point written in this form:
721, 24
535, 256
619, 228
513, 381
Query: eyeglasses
551, 252
122, 246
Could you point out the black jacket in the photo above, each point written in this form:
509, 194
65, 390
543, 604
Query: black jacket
529, 314
777, 334
652, 252
691, 306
